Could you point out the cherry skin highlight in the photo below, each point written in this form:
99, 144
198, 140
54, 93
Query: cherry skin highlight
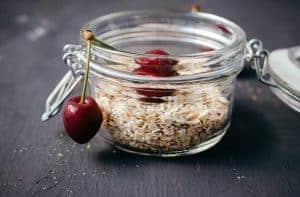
82, 120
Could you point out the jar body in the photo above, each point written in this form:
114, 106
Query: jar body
162, 115
191, 119
166, 117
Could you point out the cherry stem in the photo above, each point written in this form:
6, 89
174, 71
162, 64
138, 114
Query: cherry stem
90, 38
102, 44
195, 8
86, 75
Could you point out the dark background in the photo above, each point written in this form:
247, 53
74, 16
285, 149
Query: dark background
260, 155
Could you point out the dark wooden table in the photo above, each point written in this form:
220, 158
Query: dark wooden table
260, 155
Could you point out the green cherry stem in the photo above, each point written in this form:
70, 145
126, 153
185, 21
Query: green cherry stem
86, 75
102, 44
88, 36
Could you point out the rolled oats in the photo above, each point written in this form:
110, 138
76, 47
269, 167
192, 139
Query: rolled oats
183, 121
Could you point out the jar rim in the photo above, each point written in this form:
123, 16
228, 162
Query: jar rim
237, 45
240, 39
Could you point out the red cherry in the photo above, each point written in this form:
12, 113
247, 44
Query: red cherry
82, 120
156, 67
157, 52
160, 64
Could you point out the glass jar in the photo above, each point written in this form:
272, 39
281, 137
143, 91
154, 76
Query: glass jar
182, 114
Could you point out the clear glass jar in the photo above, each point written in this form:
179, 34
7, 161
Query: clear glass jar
163, 116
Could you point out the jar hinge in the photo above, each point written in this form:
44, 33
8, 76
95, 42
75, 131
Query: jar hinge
66, 85
258, 58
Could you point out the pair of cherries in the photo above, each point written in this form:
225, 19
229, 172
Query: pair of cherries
83, 118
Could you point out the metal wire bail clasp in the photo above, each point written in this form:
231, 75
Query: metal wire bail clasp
67, 84
259, 60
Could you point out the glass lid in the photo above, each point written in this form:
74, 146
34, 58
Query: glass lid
285, 71
285, 68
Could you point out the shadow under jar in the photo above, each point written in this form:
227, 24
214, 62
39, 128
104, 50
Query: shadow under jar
173, 115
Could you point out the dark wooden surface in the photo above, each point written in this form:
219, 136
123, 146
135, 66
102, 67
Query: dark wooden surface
260, 155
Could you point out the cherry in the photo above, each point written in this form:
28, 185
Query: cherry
82, 116
156, 67
160, 64
82, 120
157, 52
